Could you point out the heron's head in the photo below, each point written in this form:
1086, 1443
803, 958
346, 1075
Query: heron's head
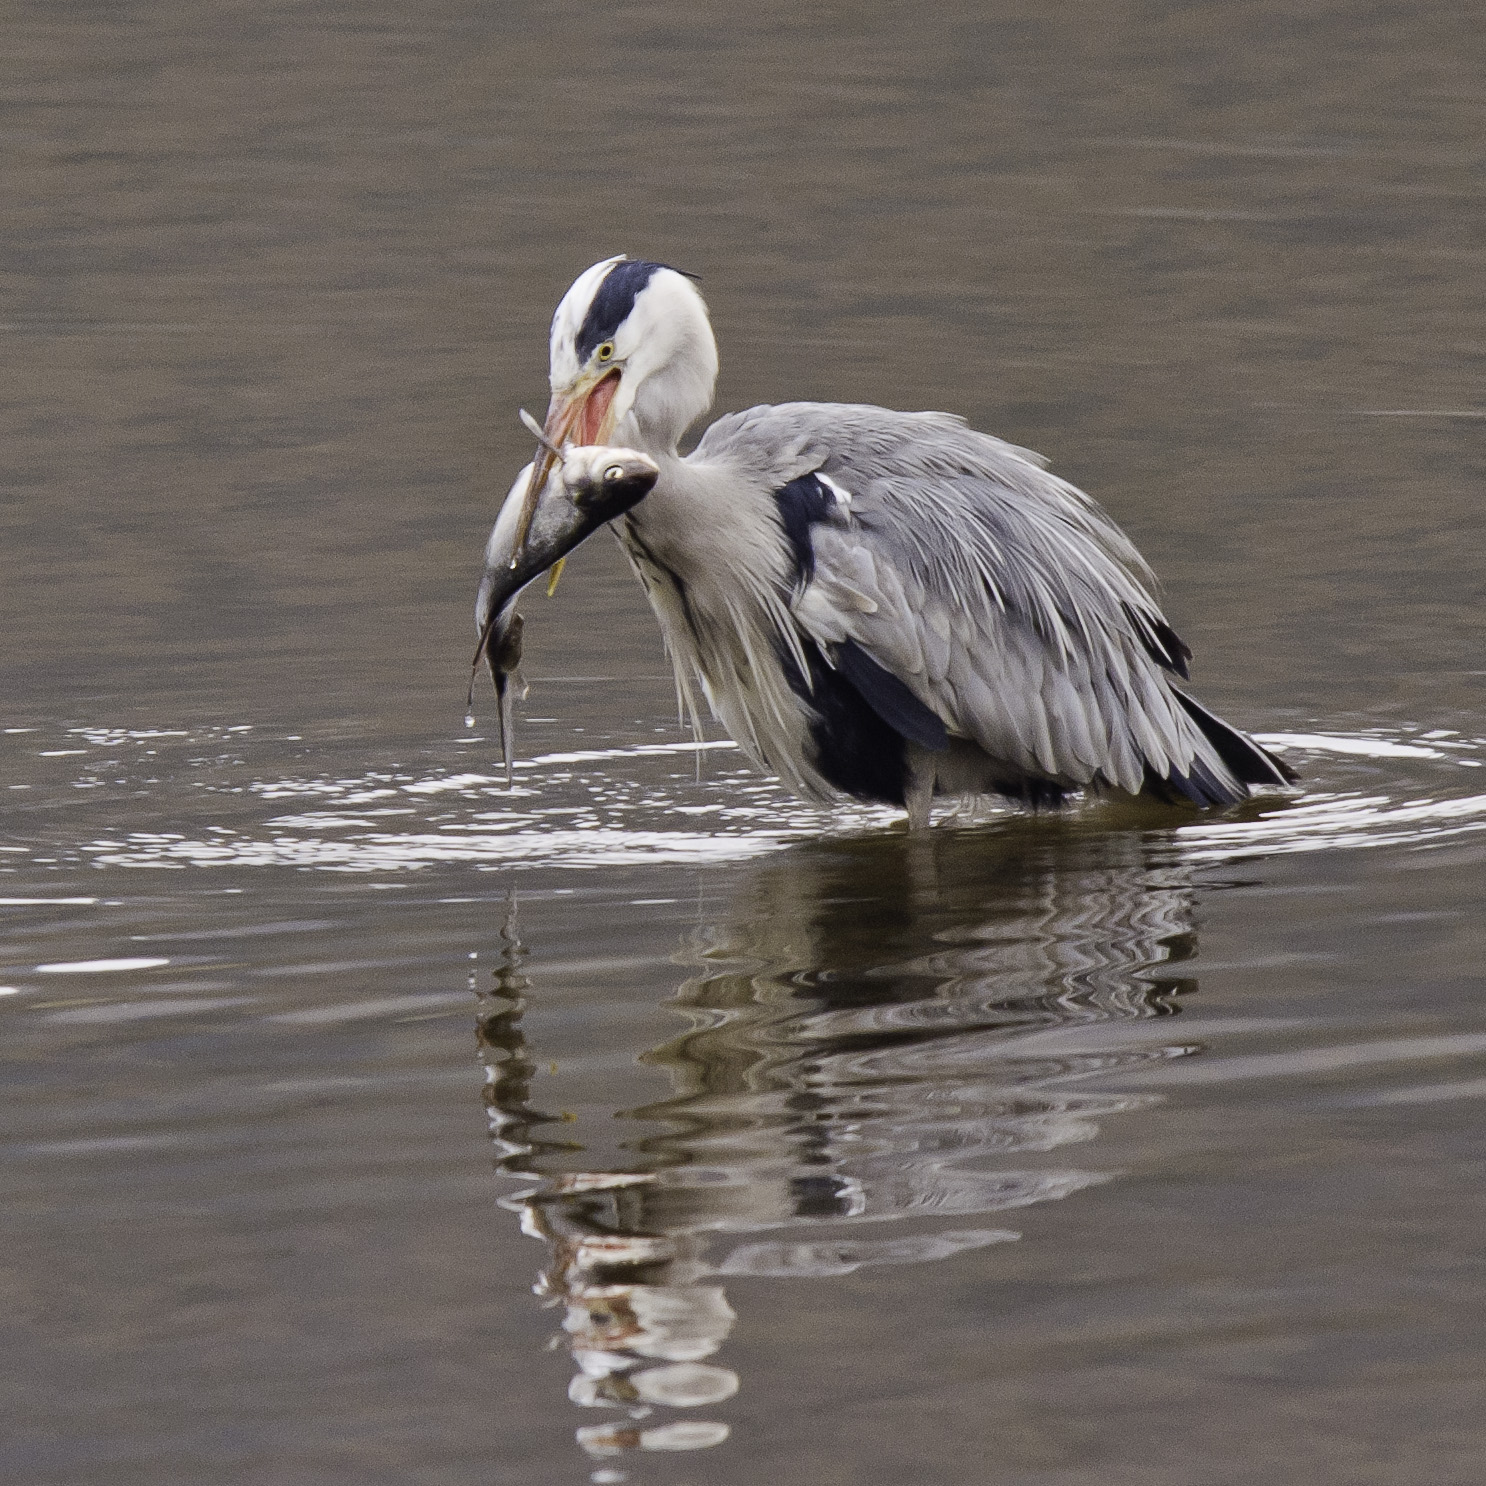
633, 360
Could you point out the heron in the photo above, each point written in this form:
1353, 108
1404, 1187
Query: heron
883, 606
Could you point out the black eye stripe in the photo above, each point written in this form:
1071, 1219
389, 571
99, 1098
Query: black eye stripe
613, 302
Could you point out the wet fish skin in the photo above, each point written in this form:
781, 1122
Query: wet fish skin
592, 486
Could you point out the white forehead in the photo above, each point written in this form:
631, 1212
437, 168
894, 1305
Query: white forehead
664, 298
572, 310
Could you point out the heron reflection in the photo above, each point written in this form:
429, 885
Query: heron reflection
884, 1049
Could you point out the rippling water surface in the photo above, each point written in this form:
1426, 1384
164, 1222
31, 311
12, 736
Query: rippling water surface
369, 1119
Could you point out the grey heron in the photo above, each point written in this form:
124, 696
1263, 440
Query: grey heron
886, 606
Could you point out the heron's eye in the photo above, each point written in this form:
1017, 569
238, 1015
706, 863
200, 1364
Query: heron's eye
614, 472
606, 351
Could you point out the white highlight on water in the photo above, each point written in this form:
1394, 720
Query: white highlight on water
100, 967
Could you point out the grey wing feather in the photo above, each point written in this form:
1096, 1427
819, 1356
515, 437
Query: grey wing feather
1001, 596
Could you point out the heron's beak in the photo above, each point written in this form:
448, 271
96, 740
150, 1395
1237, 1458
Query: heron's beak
581, 414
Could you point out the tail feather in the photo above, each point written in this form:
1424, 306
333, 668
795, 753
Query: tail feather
1246, 760
1201, 787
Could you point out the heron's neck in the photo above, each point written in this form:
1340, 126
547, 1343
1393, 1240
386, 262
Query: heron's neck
714, 530
650, 436
706, 544
667, 402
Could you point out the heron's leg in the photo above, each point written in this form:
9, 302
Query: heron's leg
918, 790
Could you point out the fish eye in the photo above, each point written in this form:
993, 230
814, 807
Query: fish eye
614, 472
606, 351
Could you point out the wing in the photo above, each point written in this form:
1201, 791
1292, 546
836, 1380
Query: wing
1001, 598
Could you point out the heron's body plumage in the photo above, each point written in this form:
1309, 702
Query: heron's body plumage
1004, 601
893, 606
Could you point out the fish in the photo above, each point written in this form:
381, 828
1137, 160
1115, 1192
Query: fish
590, 486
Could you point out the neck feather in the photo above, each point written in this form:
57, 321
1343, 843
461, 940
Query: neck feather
671, 394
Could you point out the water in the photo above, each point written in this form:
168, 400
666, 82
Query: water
1124, 1146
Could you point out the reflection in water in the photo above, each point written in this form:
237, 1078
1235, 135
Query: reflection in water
883, 1038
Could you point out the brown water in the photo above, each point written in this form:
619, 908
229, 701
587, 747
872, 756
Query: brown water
1127, 1147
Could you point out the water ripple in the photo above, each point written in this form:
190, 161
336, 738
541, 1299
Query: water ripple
628, 805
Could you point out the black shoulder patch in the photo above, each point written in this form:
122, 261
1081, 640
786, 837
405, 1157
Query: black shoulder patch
801, 504
890, 699
613, 302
